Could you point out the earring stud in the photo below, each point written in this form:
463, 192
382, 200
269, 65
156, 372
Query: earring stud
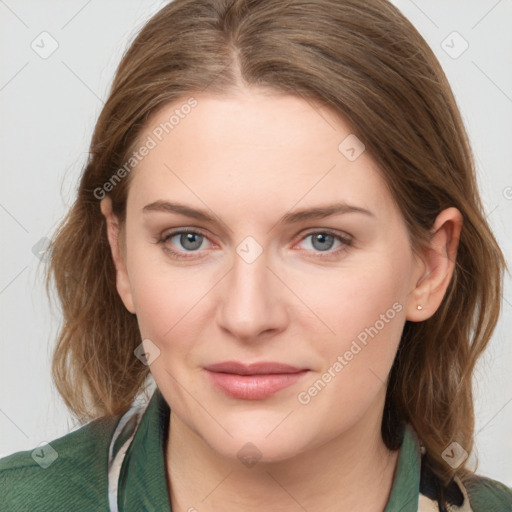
419, 307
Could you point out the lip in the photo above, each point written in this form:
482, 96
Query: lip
255, 381
261, 368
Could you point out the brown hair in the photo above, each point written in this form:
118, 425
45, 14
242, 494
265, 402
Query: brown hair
365, 61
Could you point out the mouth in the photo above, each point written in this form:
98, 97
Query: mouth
254, 381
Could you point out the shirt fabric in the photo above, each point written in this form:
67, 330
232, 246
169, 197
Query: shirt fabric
72, 473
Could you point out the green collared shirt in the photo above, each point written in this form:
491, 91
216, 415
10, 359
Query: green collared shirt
72, 473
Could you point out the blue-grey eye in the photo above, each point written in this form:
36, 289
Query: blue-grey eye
189, 241
322, 241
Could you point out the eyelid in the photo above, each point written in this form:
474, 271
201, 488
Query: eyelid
180, 254
187, 229
310, 231
326, 231
346, 242
178, 231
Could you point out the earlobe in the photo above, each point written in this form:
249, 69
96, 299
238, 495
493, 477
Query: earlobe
113, 234
438, 265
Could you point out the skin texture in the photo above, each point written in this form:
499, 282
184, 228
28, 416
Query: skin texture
248, 159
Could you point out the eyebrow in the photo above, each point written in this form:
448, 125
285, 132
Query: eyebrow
318, 212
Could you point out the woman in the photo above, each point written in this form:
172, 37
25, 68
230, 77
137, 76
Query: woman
279, 223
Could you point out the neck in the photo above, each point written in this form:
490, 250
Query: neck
353, 471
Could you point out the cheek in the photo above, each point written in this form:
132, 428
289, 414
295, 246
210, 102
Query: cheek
171, 302
164, 301
366, 311
364, 306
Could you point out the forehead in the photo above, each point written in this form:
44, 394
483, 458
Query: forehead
255, 149
251, 118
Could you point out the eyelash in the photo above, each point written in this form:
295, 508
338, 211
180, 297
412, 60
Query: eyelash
346, 242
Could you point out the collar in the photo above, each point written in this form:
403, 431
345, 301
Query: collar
406, 484
142, 481
143, 476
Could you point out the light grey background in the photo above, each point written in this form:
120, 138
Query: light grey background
48, 110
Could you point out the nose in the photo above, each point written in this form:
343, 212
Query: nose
253, 300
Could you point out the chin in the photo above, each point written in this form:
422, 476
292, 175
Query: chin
260, 439
253, 450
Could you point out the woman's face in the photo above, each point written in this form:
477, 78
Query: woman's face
257, 281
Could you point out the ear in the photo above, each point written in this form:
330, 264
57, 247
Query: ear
113, 233
437, 266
